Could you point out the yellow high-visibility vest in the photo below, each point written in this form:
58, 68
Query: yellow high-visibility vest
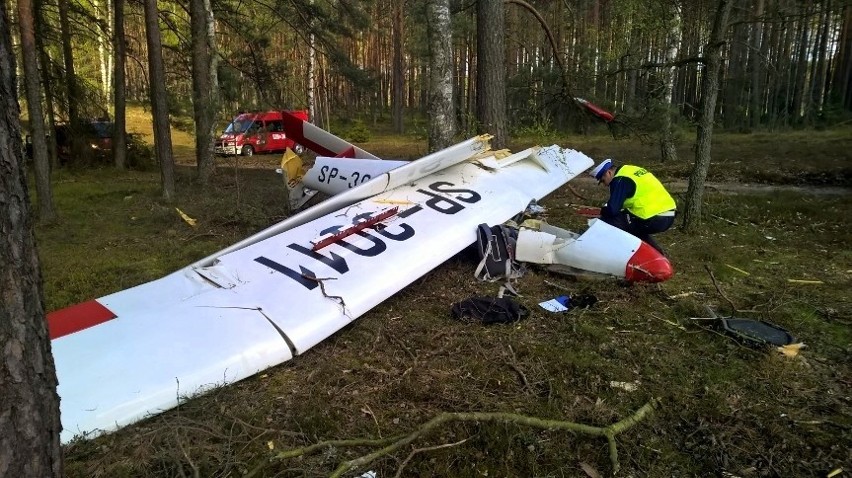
650, 198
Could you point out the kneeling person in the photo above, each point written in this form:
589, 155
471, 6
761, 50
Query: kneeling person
638, 203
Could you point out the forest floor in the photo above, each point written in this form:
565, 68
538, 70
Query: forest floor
723, 409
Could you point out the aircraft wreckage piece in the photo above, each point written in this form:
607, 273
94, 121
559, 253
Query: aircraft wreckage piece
602, 249
319, 140
256, 304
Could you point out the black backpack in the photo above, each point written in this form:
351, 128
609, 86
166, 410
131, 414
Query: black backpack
496, 248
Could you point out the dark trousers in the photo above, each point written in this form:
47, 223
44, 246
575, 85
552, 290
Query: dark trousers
641, 228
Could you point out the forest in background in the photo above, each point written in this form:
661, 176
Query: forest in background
786, 62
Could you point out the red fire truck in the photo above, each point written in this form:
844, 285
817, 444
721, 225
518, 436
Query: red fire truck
263, 132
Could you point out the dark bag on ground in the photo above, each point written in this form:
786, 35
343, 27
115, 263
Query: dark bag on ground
496, 247
489, 310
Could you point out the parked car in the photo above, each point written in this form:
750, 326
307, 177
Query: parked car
96, 134
251, 133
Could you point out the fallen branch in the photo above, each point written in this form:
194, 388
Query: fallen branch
733, 223
719, 289
391, 445
421, 450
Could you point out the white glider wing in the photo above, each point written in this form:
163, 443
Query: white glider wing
253, 305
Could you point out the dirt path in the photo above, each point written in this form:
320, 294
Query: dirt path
746, 188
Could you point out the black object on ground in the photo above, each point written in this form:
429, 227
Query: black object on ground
489, 310
756, 332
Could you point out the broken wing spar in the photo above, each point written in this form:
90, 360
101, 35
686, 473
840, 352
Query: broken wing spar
258, 303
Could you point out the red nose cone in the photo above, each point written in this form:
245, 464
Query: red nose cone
648, 265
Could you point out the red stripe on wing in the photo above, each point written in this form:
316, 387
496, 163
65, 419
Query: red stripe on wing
76, 318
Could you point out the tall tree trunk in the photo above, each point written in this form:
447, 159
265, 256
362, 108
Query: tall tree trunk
842, 83
491, 70
159, 106
71, 87
46, 209
398, 68
312, 66
798, 107
756, 53
202, 101
119, 138
29, 405
102, 13
668, 151
213, 65
820, 65
732, 106
47, 81
442, 120
709, 93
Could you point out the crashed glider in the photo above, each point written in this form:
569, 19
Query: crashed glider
137, 352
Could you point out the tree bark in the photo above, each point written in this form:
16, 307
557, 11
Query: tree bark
668, 151
757, 51
119, 136
47, 81
71, 87
311, 71
203, 96
29, 405
491, 70
799, 97
398, 68
159, 106
842, 83
41, 162
820, 68
442, 120
734, 80
213, 65
102, 13
709, 93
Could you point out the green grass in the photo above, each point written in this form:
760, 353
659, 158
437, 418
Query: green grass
724, 407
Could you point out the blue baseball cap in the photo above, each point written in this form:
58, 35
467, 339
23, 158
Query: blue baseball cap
600, 169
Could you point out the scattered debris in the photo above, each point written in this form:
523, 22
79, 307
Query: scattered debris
186, 218
791, 350
755, 333
557, 304
738, 270
804, 281
684, 294
627, 386
675, 324
534, 209
590, 470
726, 220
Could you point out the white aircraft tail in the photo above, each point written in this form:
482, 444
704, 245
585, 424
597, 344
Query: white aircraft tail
321, 141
